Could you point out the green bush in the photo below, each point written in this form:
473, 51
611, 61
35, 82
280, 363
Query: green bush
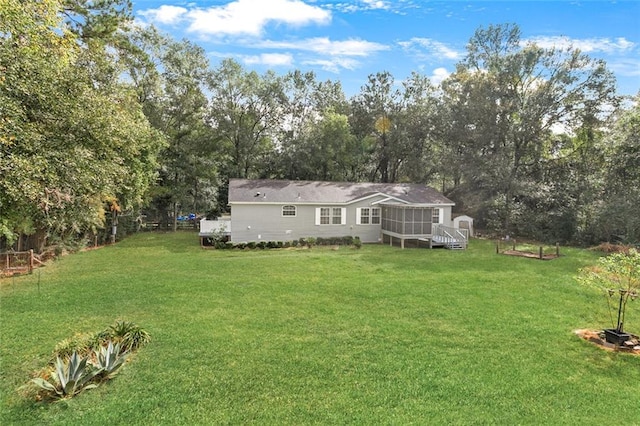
79, 343
356, 242
130, 335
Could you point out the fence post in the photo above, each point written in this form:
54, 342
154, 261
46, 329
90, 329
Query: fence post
31, 261
7, 260
557, 249
540, 251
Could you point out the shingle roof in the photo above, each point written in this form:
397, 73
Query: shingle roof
288, 191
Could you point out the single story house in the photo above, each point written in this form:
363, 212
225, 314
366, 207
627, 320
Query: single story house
283, 210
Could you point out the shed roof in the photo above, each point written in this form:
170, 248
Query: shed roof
290, 191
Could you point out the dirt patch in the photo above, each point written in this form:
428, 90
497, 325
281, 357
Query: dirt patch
597, 338
529, 254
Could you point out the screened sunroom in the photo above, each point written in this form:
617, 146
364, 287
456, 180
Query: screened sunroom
420, 224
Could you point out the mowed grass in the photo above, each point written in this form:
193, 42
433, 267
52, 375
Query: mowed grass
371, 336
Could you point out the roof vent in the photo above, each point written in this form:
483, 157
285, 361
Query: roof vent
257, 194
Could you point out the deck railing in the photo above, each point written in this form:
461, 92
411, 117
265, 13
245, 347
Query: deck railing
450, 236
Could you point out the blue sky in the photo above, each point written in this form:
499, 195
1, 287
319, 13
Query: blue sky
349, 40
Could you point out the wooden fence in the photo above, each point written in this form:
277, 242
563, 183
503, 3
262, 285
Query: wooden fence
18, 262
510, 247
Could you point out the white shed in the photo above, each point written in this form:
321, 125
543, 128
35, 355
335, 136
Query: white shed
464, 222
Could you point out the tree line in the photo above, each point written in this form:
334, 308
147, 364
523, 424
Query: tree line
100, 117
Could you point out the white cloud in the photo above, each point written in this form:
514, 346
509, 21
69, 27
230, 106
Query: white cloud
165, 14
269, 59
334, 65
377, 4
249, 17
628, 67
587, 45
439, 75
362, 5
325, 46
429, 48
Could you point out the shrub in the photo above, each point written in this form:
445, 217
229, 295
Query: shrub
129, 335
616, 275
357, 243
82, 344
251, 244
611, 248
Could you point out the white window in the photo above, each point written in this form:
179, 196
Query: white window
331, 216
375, 215
435, 216
325, 216
368, 216
288, 210
336, 216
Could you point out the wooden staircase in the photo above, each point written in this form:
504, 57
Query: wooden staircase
450, 238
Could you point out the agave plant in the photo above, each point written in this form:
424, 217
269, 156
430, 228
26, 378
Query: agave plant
70, 378
110, 359
130, 335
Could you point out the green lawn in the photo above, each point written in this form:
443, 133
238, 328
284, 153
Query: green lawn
372, 336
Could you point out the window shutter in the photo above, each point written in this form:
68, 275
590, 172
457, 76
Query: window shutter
343, 216
440, 216
358, 213
318, 216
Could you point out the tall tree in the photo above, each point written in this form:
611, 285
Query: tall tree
245, 112
314, 135
419, 129
170, 77
374, 117
616, 217
507, 98
67, 142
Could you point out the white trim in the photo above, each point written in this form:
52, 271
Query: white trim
358, 213
320, 203
343, 216
318, 215
390, 198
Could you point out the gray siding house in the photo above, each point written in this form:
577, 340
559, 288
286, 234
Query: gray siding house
279, 210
